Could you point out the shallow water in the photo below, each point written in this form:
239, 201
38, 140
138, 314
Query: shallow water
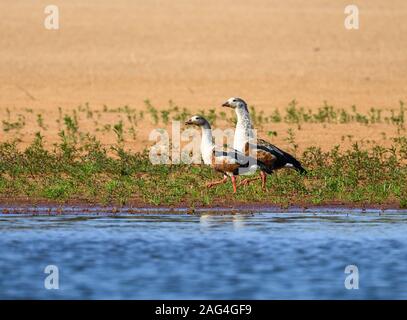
259, 256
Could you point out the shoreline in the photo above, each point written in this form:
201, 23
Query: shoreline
25, 206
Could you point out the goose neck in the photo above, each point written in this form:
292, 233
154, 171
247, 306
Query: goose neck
206, 144
243, 118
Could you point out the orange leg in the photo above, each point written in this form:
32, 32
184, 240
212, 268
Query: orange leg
263, 180
233, 178
246, 181
214, 183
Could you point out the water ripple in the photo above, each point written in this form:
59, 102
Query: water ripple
241, 256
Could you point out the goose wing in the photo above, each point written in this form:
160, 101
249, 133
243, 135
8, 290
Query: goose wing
266, 157
280, 157
229, 160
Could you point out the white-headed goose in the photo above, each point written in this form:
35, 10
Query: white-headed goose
229, 162
274, 158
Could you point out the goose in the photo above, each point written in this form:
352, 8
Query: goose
230, 162
273, 157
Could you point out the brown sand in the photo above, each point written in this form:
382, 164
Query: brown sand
200, 53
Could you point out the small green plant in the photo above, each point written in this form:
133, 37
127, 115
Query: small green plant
16, 125
152, 111
272, 133
291, 140
40, 122
118, 130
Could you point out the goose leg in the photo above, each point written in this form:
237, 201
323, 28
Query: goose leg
246, 181
214, 183
233, 178
263, 177
263, 180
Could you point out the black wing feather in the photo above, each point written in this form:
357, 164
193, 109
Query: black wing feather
283, 157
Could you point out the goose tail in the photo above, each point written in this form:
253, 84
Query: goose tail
295, 164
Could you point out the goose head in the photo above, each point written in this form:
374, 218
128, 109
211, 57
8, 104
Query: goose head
235, 103
197, 120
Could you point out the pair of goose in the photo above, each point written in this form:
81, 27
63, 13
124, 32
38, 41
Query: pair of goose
248, 154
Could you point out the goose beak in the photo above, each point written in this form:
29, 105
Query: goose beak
226, 104
188, 122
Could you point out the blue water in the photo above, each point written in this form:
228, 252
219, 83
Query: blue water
259, 256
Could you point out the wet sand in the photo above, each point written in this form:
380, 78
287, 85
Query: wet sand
25, 205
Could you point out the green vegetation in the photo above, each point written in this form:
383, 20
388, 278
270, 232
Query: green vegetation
79, 168
131, 118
